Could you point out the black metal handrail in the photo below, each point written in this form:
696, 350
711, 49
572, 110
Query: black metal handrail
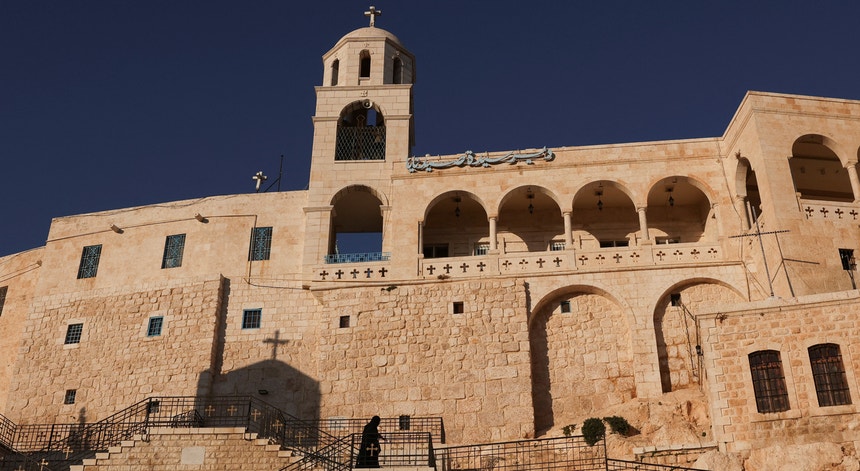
622, 465
7, 432
563, 453
396, 449
341, 427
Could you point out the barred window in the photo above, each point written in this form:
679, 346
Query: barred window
828, 373
73, 334
3, 290
261, 243
70, 396
768, 380
154, 327
89, 261
173, 248
251, 318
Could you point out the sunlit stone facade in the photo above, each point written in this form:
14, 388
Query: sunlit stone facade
508, 292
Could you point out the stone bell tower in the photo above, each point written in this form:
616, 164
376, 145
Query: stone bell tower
363, 132
363, 120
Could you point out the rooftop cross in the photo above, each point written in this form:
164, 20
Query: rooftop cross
373, 13
260, 178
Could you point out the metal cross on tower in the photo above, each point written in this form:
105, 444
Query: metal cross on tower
260, 179
758, 233
372, 14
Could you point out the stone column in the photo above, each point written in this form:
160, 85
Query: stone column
494, 245
741, 208
568, 231
643, 224
420, 237
855, 180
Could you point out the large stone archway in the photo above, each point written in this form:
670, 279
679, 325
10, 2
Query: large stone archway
581, 358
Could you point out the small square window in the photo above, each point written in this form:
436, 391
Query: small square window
69, 398
3, 290
675, 299
251, 318
261, 243
154, 327
565, 306
73, 333
174, 246
458, 307
344, 322
89, 266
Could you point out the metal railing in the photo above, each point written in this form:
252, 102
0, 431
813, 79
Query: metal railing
342, 427
358, 257
7, 432
396, 449
564, 453
360, 143
622, 465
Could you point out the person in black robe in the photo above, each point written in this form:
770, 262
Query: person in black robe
368, 453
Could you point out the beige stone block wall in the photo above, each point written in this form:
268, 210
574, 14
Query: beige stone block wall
790, 328
115, 364
203, 449
19, 274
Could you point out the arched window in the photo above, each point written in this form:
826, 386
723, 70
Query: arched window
360, 132
397, 71
364, 67
828, 373
335, 69
768, 381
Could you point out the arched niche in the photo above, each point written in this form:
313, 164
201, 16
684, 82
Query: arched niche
578, 365
676, 329
356, 221
604, 216
530, 220
455, 225
360, 132
816, 170
746, 186
679, 211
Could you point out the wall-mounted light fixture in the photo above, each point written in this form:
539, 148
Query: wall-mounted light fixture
530, 197
115, 228
200, 218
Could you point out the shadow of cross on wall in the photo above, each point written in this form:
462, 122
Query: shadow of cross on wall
276, 342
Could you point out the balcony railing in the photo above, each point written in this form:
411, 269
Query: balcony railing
358, 257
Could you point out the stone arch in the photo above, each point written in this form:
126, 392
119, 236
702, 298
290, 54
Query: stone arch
356, 220
455, 223
396, 70
679, 210
582, 359
530, 219
604, 215
364, 64
817, 170
335, 71
676, 328
360, 132
746, 187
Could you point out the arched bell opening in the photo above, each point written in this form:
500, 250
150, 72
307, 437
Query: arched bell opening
360, 132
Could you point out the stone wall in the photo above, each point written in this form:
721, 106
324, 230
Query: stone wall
115, 364
790, 329
204, 449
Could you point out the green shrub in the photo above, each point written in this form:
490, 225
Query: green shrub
593, 430
568, 429
618, 425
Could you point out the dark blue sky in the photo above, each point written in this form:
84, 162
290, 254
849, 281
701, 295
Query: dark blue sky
108, 104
